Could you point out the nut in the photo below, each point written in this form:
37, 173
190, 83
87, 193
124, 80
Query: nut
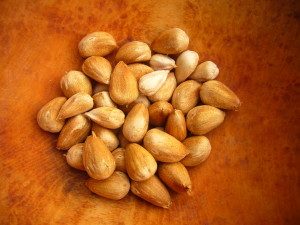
119, 155
159, 112
98, 161
152, 190
205, 71
186, 96
202, 119
100, 87
186, 64
166, 90
108, 137
172, 41
162, 62
176, 125
115, 187
136, 123
134, 51
75, 105
150, 83
102, 98
108, 117
164, 147
140, 164
217, 94
74, 82
47, 116
175, 176
123, 88
199, 148
97, 43
97, 68
74, 156
74, 131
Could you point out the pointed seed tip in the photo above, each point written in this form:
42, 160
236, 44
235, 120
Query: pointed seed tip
189, 191
168, 205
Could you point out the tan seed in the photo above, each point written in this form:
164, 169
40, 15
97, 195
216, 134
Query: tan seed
74, 156
199, 148
74, 82
98, 161
107, 136
136, 123
115, 187
205, 71
75, 105
166, 90
217, 94
202, 119
123, 87
172, 41
162, 62
186, 96
150, 83
47, 116
134, 51
140, 164
108, 117
153, 191
102, 98
119, 155
186, 64
97, 68
74, 131
97, 43
175, 176
159, 112
164, 147
176, 125
99, 87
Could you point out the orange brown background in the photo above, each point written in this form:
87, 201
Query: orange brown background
252, 174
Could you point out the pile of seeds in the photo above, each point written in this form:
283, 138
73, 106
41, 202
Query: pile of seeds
142, 124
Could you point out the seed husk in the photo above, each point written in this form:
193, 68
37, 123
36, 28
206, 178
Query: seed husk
74, 82
152, 190
115, 187
217, 94
140, 164
164, 147
74, 131
97, 43
202, 119
75, 105
74, 156
97, 68
175, 176
199, 148
47, 116
98, 161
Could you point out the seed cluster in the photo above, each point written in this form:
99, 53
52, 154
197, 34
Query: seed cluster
142, 122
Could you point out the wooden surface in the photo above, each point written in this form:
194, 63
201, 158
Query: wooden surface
252, 175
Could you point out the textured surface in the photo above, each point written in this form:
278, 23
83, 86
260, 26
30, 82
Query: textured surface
252, 175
